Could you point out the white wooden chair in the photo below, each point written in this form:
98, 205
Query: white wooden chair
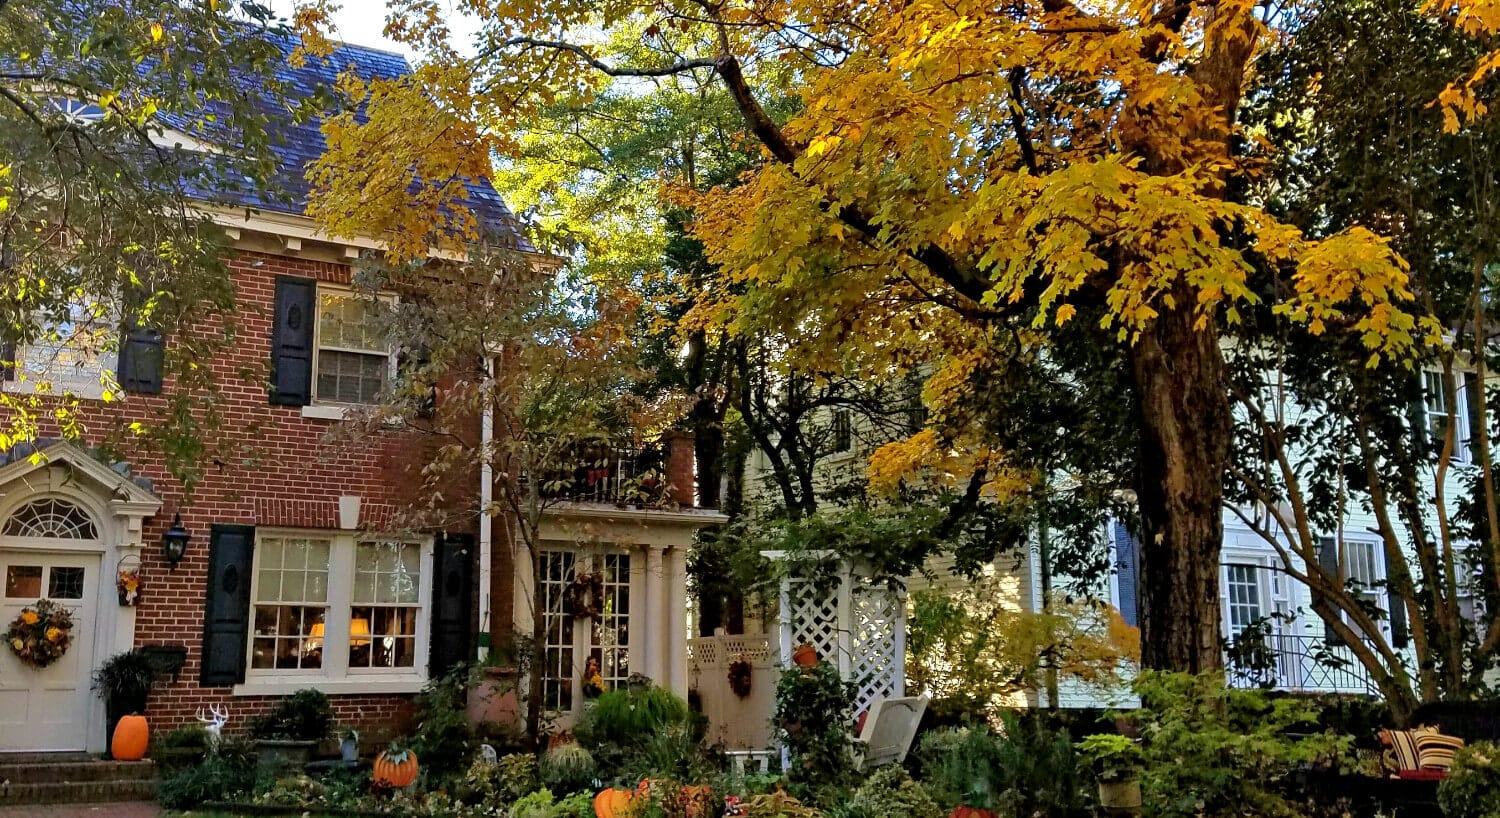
889, 730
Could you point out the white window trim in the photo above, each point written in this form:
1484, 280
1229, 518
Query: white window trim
1381, 592
1462, 450
103, 366
336, 676
319, 408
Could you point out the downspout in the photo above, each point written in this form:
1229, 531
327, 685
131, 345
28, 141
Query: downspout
486, 522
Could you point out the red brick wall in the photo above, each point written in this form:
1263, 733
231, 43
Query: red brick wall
267, 465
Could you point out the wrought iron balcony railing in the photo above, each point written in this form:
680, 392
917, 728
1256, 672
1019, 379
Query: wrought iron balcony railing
602, 472
1280, 661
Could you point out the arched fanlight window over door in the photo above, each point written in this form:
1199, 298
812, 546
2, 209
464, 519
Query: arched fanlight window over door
51, 518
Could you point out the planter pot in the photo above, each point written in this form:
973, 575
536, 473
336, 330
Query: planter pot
282, 755
494, 700
349, 749
1120, 798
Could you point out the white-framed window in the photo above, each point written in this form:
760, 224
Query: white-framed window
1435, 412
1242, 586
353, 360
338, 606
572, 644
1364, 572
76, 354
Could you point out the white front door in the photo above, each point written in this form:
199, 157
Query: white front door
48, 708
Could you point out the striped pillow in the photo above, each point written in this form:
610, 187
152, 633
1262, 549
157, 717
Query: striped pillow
1404, 745
1435, 750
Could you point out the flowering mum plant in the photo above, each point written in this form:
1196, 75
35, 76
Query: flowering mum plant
41, 633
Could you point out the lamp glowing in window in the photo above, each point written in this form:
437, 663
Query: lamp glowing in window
314, 639
359, 627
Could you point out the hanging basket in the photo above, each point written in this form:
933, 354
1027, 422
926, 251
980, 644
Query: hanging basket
41, 633
128, 581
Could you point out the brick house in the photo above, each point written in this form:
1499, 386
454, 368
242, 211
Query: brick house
291, 577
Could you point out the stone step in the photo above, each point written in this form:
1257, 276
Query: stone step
77, 792
63, 772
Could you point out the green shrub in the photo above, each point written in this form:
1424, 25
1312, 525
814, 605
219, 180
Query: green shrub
218, 778
305, 715
577, 805
568, 767
1472, 788
516, 776
890, 793
631, 730
533, 805
625, 715
815, 722
1211, 750
443, 738
1027, 769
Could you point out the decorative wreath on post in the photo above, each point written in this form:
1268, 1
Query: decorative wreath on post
128, 581
585, 596
41, 634
739, 676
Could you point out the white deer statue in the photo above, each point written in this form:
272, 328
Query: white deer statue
214, 723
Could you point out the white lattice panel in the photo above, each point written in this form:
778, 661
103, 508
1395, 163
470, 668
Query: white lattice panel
878, 616
715, 652
858, 626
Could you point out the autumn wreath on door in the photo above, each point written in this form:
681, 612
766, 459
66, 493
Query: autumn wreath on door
41, 633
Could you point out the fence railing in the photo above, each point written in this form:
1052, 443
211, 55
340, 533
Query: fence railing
604, 472
1299, 663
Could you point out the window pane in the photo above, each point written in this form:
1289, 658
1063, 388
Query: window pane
351, 377
382, 637
288, 637
23, 581
65, 583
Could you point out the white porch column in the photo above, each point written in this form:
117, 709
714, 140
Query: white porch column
658, 607
677, 603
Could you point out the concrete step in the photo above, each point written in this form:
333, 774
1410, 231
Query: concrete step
62, 772
77, 792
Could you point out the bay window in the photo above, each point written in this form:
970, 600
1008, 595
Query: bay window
339, 606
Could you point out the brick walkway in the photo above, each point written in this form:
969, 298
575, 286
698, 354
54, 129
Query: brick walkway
133, 809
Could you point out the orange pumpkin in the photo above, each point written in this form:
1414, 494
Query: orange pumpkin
964, 811
130, 740
614, 803
396, 768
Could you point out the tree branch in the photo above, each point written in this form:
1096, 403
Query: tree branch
614, 71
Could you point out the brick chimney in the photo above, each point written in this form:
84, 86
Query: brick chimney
681, 468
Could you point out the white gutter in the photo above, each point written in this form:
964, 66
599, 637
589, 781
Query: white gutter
486, 523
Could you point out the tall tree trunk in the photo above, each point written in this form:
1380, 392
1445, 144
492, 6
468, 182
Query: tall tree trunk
1181, 380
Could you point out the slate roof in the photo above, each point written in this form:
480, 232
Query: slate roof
298, 144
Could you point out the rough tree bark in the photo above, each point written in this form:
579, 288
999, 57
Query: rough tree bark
1182, 384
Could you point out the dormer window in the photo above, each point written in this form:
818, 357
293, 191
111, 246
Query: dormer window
76, 112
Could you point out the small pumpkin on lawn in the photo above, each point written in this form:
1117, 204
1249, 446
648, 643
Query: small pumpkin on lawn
396, 767
613, 803
131, 737
965, 811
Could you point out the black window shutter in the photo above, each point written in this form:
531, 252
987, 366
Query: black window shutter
226, 620
292, 341
1328, 560
1470, 396
7, 360
1127, 562
141, 356
1400, 636
452, 608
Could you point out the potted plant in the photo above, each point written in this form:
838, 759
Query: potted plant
349, 745
1118, 763
124, 681
286, 736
